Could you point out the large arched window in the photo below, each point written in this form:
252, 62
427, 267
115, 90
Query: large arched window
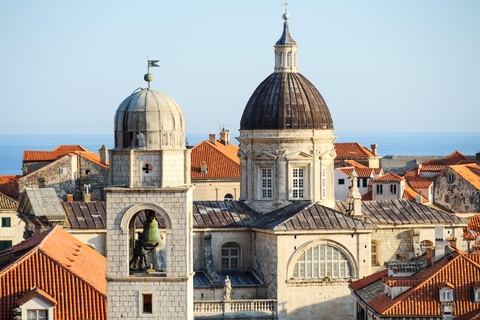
322, 261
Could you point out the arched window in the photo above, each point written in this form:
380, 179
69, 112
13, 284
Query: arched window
322, 261
228, 197
230, 256
289, 59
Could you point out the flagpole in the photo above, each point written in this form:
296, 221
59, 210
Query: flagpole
148, 71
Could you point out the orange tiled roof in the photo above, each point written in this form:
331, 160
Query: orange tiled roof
469, 172
222, 161
361, 172
473, 225
92, 157
56, 262
55, 154
419, 182
459, 269
36, 291
453, 159
351, 163
7, 203
411, 194
9, 185
352, 150
359, 284
389, 177
433, 168
399, 281
368, 196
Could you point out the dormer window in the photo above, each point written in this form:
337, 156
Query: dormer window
446, 293
476, 292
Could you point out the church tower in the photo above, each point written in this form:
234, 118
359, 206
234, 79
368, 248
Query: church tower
286, 138
149, 211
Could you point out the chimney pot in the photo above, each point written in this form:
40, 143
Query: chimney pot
429, 257
103, 154
225, 137
69, 197
418, 168
212, 137
374, 148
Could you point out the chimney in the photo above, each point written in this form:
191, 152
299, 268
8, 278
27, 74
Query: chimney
374, 148
418, 167
475, 249
69, 197
225, 137
418, 198
429, 257
440, 243
86, 194
477, 157
212, 137
103, 155
203, 167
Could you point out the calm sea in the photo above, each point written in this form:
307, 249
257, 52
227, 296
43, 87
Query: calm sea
12, 146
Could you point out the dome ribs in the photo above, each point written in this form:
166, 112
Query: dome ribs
286, 101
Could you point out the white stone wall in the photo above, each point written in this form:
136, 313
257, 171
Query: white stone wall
210, 190
283, 150
93, 238
13, 233
265, 262
174, 293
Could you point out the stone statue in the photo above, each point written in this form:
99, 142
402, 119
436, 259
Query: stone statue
228, 288
140, 140
139, 260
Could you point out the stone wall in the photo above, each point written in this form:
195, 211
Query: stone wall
401, 164
97, 178
214, 190
457, 196
13, 233
93, 238
265, 261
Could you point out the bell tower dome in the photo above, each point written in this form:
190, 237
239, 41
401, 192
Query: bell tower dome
150, 270
286, 137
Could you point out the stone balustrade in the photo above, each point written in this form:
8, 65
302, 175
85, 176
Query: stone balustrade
260, 309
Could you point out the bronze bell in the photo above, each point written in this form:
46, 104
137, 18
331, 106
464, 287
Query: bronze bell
151, 235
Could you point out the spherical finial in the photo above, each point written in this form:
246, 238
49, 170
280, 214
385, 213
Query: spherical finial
148, 77
286, 16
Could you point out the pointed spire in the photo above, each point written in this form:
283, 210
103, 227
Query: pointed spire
286, 49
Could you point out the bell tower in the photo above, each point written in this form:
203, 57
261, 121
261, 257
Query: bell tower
149, 211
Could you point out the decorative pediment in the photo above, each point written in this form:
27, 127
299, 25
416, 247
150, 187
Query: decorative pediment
264, 155
299, 155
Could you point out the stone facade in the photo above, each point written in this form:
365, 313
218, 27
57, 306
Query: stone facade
282, 151
216, 189
455, 193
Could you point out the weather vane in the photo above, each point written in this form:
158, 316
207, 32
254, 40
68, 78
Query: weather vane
149, 77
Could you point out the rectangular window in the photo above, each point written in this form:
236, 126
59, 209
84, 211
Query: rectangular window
6, 222
297, 183
341, 181
5, 244
147, 303
37, 315
365, 182
450, 178
230, 258
324, 182
379, 189
358, 183
393, 189
446, 295
267, 183
373, 249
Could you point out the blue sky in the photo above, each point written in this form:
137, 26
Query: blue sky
382, 66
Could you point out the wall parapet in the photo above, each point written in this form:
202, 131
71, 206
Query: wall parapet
258, 308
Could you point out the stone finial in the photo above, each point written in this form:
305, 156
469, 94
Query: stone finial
354, 198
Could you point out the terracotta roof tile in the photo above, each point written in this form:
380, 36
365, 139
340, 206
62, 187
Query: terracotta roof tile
350, 163
473, 225
9, 185
389, 177
7, 203
433, 168
453, 159
458, 269
91, 156
361, 172
367, 196
470, 172
419, 182
222, 161
411, 194
55, 262
33, 292
56, 153
359, 284
352, 150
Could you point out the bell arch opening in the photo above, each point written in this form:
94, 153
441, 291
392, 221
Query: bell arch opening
148, 233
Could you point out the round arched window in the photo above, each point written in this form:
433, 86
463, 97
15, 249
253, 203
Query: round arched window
320, 262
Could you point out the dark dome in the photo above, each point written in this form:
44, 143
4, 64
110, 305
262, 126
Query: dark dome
286, 101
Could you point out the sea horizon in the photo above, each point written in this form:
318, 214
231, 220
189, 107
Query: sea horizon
12, 146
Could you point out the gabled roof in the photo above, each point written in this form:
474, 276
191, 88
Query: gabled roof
411, 194
401, 212
9, 185
308, 216
56, 263
91, 156
361, 172
222, 161
7, 203
56, 153
469, 172
352, 150
36, 292
389, 177
453, 159
41, 202
458, 268
472, 231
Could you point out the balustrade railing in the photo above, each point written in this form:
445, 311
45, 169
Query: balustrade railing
264, 308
